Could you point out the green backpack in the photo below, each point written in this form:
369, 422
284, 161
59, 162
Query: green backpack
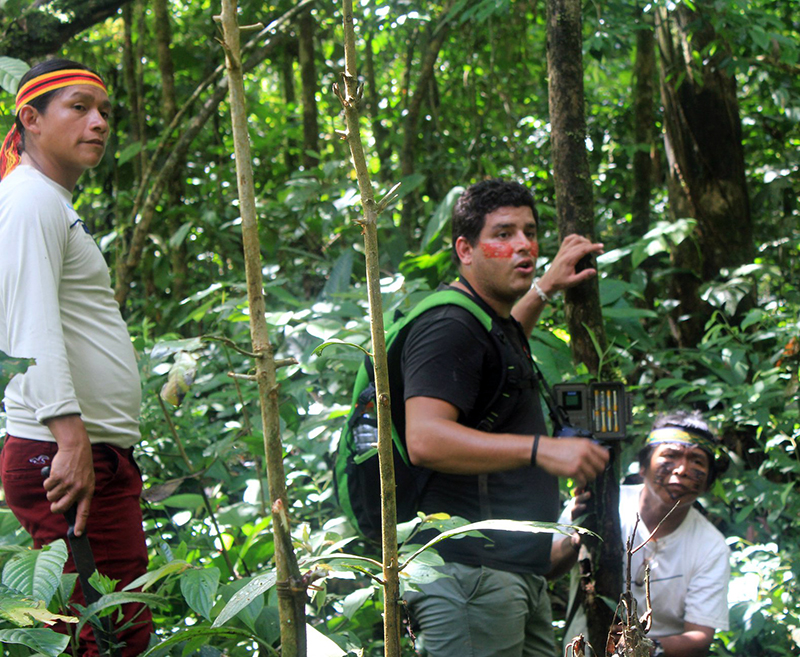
356, 472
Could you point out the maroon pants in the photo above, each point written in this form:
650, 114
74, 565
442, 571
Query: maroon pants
114, 527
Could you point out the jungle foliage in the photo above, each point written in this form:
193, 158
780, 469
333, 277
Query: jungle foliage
455, 90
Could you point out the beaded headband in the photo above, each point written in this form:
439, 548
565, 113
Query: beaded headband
675, 435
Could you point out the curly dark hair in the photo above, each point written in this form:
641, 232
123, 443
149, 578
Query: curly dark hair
691, 421
41, 102
482, 198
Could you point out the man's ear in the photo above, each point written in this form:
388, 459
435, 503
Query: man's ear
464, 250
29, 118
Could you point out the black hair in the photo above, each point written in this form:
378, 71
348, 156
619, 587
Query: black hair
482, 198
692, 422
40, 103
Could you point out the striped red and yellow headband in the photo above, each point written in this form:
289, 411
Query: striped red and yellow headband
47, 82
10, 153
675, 435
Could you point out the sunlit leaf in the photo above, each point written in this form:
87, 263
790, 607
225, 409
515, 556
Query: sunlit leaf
148, 579
354, 601
24, 611
244, 596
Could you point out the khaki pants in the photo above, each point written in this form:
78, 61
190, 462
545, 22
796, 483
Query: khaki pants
482, 612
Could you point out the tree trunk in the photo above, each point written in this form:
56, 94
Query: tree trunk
574, 209
573, 183
643, 123
141, 30
169, 108
706, 177
308, 78
410, 127
129, 76
287, 58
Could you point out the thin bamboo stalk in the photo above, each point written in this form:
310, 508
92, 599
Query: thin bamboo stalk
291, 592
350, 98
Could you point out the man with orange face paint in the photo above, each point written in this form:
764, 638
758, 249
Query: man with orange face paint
493, 599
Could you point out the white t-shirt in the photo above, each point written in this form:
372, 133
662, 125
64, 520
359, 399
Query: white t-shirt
689, 572
57, 306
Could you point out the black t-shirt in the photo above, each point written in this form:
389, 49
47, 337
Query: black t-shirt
448, 355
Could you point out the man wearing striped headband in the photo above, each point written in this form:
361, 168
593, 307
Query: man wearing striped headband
687, 556
76, 410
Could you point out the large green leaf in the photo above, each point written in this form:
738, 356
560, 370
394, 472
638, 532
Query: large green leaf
24, 611
43, 641
199, 588
440, 217
150, 578
11, 72
244, 596
118, 598
37, 573
200, 631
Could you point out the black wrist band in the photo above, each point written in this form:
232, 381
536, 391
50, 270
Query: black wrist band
534, 450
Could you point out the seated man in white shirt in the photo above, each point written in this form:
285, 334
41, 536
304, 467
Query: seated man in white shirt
687, 555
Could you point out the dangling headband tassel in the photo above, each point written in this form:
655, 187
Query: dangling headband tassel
10, 153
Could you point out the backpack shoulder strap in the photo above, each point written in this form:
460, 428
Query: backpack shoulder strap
450, 297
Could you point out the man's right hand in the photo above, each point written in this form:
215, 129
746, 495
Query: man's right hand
577, 458
71, 480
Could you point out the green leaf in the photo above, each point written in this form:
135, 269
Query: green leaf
148, 579
11, 72
188, 501
199, 631
420, 573
199, 588
244, 596
179, 235
118, 598
440, 217
24, 611
37, 573
129, 152
353, 602
10, 366
41, 640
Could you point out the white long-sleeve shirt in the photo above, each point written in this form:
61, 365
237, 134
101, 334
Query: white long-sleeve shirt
57, 306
